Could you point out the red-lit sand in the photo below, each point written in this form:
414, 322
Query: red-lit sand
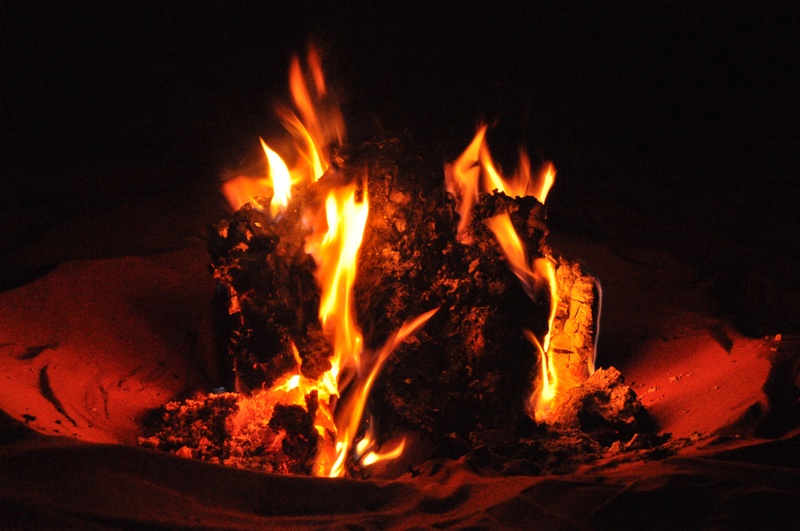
87, 350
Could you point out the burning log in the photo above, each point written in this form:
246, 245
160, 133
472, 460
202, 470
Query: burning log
272, 296
305, 333
569, 344
602, 406
572, 337
471, 367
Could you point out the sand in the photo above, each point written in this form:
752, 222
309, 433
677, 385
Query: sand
90, 348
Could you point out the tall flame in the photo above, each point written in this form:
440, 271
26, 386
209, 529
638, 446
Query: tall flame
541, 403
336, 253
532, 277
336, 235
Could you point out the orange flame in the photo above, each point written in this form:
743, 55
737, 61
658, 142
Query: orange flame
374, 457
321, 127
353, 409
512, 247
335, 240
337, 255
532, 278
335, 249
547, 177
321, 123
550, 385
462, 179
519, 185
546, 391
241, 190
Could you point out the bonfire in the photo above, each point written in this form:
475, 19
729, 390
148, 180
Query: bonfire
365, 298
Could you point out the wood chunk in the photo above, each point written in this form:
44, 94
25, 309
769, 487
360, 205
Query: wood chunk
273, 297
470, 368
572, 341
602, 406
301, 437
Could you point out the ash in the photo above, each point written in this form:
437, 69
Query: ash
599, 420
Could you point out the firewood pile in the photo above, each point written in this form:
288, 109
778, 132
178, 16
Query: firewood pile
462, 381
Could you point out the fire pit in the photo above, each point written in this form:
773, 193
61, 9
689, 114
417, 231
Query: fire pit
672, 133
364, 296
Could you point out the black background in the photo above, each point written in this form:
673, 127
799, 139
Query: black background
672, 125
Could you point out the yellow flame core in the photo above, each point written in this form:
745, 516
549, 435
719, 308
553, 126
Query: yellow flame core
336, 253
547, 178
337, 258
280, 179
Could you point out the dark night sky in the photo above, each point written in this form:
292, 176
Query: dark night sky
685, 113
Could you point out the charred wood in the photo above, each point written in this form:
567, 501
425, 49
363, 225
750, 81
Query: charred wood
470, 368
602, 406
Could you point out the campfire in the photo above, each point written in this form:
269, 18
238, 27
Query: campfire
368, 299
